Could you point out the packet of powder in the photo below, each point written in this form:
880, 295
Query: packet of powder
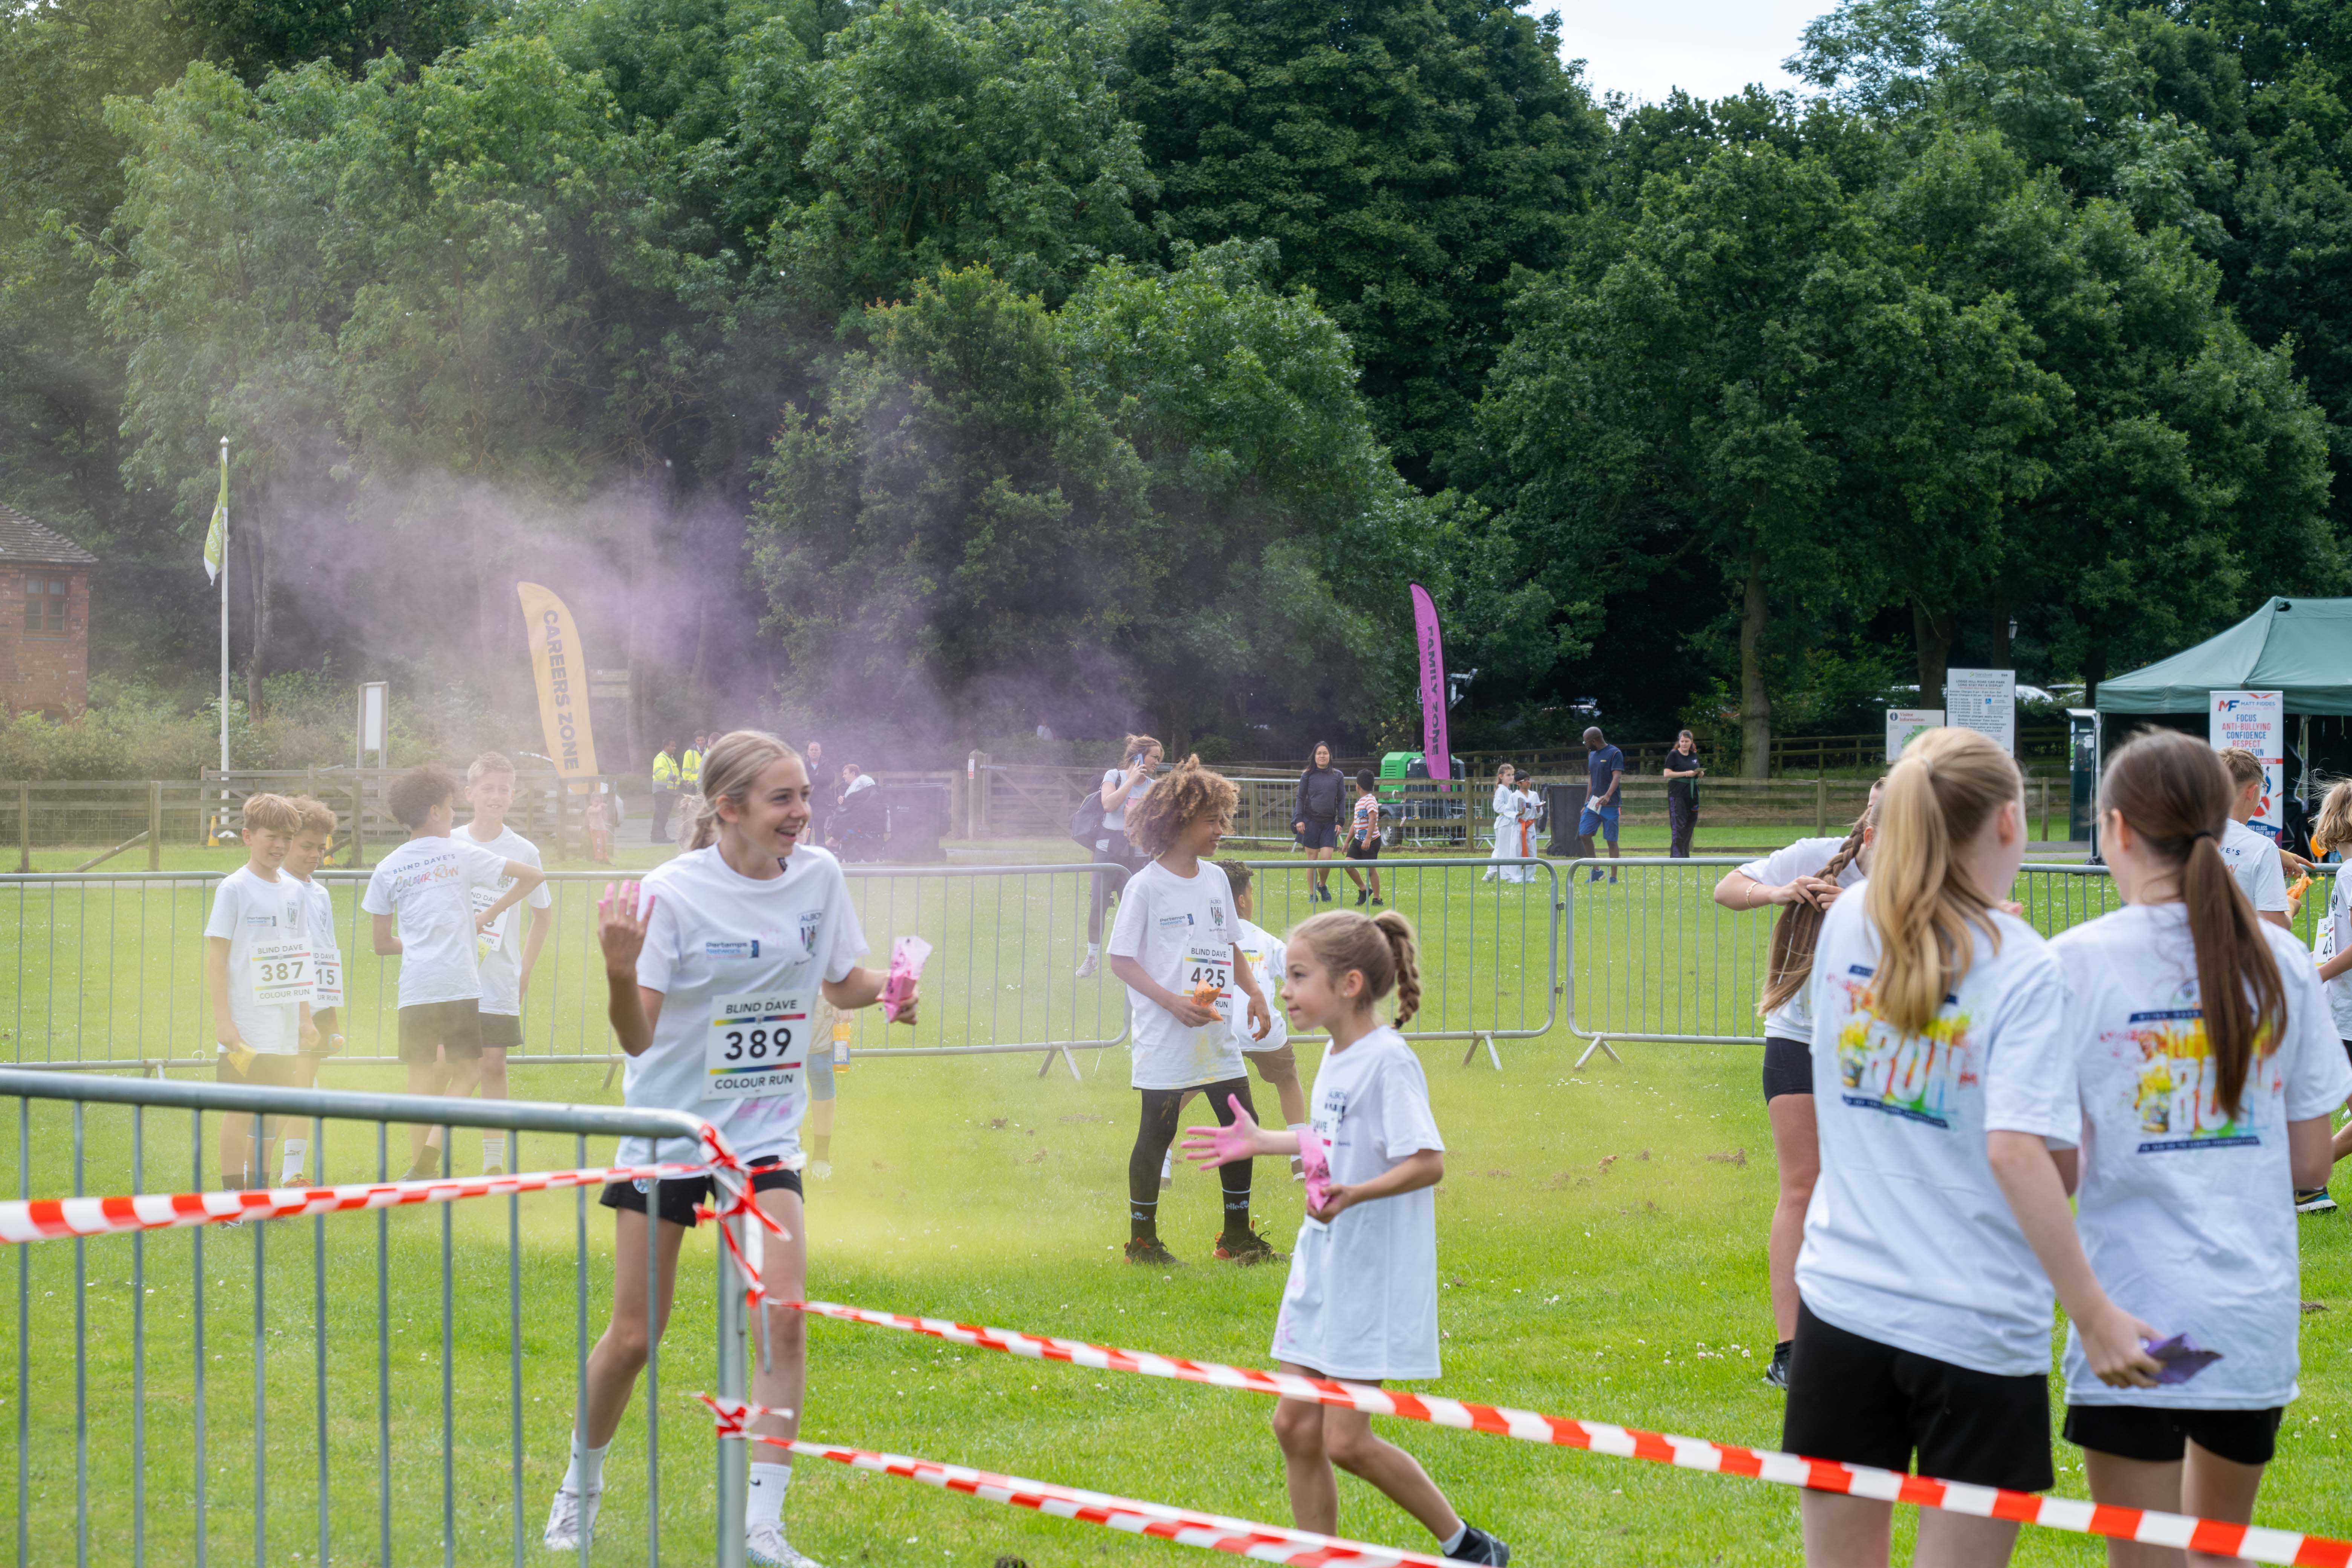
1314, 1162
2182, 1358
908, 956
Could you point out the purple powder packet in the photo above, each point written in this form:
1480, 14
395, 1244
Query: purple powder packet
2182, 1358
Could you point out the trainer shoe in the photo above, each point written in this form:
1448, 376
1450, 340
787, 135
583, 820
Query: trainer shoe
1777, 1374
494, 1171
1361, 896
1479, 1547
1086, 966
1247, 1249
573, 1519
2314, 1200
820, 1169
1378, 905
1147, 1250
765, 1547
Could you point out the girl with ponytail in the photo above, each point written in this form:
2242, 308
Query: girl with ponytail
1361, 1300
2210, 1068
1804, 879
1943, 1079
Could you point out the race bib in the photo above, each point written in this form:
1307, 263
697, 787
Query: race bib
328, 972
757, 1044
281, 972
492, 939
1208, 977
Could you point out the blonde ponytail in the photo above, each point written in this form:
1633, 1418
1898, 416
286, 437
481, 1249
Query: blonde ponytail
1948, 784
729, 768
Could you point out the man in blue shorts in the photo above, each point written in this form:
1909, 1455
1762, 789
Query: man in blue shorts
1604, 766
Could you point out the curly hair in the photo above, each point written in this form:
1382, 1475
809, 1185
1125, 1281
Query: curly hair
1186, 792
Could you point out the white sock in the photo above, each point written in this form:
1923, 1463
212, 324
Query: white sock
1168, 1165
1093, 950
1459, 1536
767, 1504
291, 1171
494, 1151
587, 1470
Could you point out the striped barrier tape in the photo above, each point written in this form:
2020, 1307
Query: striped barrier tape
1185, 1527
2174, 1529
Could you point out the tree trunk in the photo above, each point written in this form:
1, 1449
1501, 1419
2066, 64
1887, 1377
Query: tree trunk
1755, 703
699, 681
257, 576
2003, 656
1934, 635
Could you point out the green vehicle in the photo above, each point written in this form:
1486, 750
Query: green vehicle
1408, 797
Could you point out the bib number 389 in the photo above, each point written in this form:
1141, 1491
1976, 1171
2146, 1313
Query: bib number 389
757, 1044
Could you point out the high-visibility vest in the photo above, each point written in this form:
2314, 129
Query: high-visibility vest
664, 771
693, 769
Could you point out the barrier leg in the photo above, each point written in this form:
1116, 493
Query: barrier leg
1600, 1044
1493, 1054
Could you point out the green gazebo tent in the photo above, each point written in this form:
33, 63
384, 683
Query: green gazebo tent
2299, 646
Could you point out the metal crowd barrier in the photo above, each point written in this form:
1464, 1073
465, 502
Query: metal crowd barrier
1653, 957
294, 1391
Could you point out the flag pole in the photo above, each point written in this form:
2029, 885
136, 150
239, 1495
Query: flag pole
222, 820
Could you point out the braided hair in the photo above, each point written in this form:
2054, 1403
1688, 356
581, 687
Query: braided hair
1791, 961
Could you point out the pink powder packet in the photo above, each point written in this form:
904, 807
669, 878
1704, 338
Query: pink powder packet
1315, 1159
908, 956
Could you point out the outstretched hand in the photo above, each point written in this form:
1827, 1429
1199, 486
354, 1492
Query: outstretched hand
621, 927
1243, 1139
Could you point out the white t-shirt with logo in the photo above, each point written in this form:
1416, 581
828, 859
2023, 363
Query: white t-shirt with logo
2253, 859
2184, 1208
1182, 931
1361, 1298
2334, 934
325, 951
267, 925
499, 952
428, 884
1265, 952
1791, 1020
736, 958
1908, 1240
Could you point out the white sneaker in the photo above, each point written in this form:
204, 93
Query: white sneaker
568, 1522
1087, 967
765, 1547
820, 1169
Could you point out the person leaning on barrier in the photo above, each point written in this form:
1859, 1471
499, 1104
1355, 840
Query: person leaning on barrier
1682, 772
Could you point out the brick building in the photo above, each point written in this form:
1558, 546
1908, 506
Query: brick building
44, 619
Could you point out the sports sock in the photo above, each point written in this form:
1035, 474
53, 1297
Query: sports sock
494, 1151
767, 1503
1142, 1219
586, 1473
1237, 1204
824, 1141
1453, 1543
291, 1170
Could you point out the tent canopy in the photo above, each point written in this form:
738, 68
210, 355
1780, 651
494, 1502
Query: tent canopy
2299, 647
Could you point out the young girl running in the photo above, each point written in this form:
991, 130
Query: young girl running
1804, 880
751, 920
1943, 1073
1176, 948
2333, 945
1361, 1301
1507, 826
2210, 1069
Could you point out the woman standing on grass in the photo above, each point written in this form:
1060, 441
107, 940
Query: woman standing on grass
1804, 880
750, 921
1122, 787
1322, 796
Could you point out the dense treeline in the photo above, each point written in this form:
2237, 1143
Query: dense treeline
958, 362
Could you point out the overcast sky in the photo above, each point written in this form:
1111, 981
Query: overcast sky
1709, 47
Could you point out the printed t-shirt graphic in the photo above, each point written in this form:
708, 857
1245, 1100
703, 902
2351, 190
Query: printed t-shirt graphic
1364, 825
2253, 860
1791, 1020
1908, 1239
499, 951
1182, 930
2183, 1207
428, 885
266, 926
733, 955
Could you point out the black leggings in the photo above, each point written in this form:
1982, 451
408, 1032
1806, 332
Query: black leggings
1158, 1131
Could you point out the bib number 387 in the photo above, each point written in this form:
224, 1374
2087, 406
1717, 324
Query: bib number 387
281, 973
757, 1044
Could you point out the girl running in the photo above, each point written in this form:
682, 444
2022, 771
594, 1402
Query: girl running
1361, 1300
750, 919
2333, 831
1123, 788
1506, 825
2211, 1069
1176, 948
1943, 1074
1804, 880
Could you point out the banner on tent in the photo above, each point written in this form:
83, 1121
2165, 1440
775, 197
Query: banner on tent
2256, 720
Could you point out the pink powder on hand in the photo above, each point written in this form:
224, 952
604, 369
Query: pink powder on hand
908, 956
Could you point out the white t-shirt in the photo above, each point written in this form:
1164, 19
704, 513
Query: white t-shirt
498, 952
1791, 1020
267, 925
733, 955
326, 951
428, 884
1908, 1240
1265, 952
1182, 931
2334, 934
1115, 821
1506, 804
2253, 859
1361, 1298
2184, 1208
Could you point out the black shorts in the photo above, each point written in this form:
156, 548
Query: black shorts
1863, 1402
680, 1198
1788, 1068
454, 1029
267, 1068
501, 1031
2158, 1435
1319, 836
1363, 848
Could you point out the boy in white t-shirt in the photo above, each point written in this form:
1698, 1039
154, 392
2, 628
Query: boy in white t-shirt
1175, 947
505, 961
427, 884
258, 961
2252, 858
302, 861
1270, 1052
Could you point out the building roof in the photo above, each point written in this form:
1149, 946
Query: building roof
22, 539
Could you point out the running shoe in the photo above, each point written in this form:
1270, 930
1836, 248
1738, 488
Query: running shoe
1087, 967
572, 1519
1378, 905
1480, 1547
1147, 1250
1360, 897
1777, 1374
765, 1547
1248, 1249
1594, 878
820, 1169
2314, 1201
494, 1170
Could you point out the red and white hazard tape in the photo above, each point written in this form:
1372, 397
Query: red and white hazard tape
1265, 1542
2260, 1545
